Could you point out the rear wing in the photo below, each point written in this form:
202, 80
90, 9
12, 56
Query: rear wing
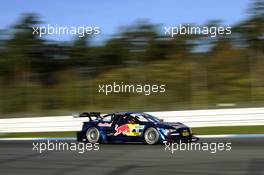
91, 115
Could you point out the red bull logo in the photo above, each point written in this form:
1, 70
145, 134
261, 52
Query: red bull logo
124, 129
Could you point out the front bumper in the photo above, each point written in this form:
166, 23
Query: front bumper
182, 139
194, 139
183, 135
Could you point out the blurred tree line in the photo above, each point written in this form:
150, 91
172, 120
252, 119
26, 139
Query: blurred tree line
40, 76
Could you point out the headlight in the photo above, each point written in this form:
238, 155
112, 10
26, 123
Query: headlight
166, 131
169, 130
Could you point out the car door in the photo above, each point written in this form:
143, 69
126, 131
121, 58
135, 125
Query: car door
127, 128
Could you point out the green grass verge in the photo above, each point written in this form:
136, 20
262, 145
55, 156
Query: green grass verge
197, 131
229, 130
38, 134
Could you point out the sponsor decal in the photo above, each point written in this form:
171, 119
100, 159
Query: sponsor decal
105, 124
122, 129
129, 129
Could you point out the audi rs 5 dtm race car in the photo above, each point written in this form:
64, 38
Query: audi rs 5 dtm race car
131, 127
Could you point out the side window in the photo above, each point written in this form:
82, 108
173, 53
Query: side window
140, 117
116, 119
132, 120
126, 119
107, 118
120, 119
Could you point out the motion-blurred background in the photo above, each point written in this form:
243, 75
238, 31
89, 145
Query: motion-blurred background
47, 76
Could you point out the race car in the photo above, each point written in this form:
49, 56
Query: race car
132, 127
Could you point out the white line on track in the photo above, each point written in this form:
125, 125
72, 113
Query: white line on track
200, 136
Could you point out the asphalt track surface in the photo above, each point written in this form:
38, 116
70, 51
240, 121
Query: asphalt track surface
246, 157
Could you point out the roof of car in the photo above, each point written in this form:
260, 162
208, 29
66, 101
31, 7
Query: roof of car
126, 113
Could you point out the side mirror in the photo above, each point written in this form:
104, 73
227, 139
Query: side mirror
162, 120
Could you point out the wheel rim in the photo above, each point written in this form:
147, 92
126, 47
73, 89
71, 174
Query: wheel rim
92, 135
151, 136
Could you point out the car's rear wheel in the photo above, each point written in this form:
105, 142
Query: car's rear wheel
93, 135
151, 136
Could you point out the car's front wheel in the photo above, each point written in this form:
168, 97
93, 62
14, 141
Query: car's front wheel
93, 135
151, 136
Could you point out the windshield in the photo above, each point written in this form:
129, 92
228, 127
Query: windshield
152, 118
143, 117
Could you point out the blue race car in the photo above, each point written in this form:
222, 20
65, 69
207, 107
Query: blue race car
132, 127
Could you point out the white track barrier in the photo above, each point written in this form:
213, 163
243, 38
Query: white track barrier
193, 118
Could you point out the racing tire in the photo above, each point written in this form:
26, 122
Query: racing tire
93, 135
151, 136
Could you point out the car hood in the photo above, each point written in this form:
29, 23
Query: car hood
171, 125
